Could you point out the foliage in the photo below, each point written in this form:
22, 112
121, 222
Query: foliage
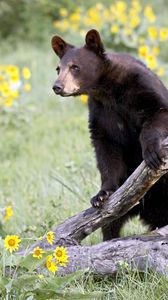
29, 19
124, 27
13, 269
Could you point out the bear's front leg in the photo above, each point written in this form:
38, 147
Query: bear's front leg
154, 131
112, 169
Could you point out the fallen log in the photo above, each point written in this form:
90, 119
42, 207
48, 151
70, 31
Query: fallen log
140, 252
104, 258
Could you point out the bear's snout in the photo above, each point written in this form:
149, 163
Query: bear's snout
58, 88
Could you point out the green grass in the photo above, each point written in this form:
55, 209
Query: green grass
48, 172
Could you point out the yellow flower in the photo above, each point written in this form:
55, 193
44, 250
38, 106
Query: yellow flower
5, 89
11, 243
64, 261
75, 17
27, 87
26, 73
152, 31
149, 14
8, 102
8, 213
63, 12
14, 93
163, 34
151, 62
15, 78
114, 29
50, 237
84, 98
143, 51
12, 70
38, 252
94, 16
135, 21
155, 50
50, 264
121, 6
106, 13
60, 253
160, 71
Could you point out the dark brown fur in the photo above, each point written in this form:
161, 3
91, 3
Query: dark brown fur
128, 119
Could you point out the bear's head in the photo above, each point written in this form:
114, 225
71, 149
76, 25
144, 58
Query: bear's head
79, 69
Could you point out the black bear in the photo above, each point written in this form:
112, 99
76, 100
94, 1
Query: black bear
128, 119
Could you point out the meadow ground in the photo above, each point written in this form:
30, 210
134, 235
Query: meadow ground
48, 172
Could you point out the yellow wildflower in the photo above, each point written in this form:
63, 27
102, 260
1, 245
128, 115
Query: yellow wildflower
14, 78
63, 12
84, 98
152, 31
60, 253
15, 93
143, 51
12, 70
8, 213
114, 29
151, 62
27, 87
121, 6
11, 243
38, 252
64, 261
8, 102
75, 17
50, 237
26, 73
135, 21
160, 71
149, 14
155, 50
106, 13
163, 34
50, 264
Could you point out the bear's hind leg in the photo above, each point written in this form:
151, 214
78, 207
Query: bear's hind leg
112, 230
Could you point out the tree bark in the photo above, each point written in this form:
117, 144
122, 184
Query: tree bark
138, 252
104, 258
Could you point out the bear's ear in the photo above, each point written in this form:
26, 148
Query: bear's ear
93, 42
59, 46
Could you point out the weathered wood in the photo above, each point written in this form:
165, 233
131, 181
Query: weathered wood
141, 252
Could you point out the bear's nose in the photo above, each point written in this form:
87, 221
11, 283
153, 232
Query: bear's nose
58, 88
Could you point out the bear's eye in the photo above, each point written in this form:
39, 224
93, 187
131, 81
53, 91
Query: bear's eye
74, 68
58, 70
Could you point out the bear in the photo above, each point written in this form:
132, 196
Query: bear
128, 120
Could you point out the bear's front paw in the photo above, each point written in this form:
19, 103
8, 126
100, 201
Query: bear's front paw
98, 200
153, 156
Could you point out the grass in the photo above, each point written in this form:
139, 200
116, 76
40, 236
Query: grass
48, 172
